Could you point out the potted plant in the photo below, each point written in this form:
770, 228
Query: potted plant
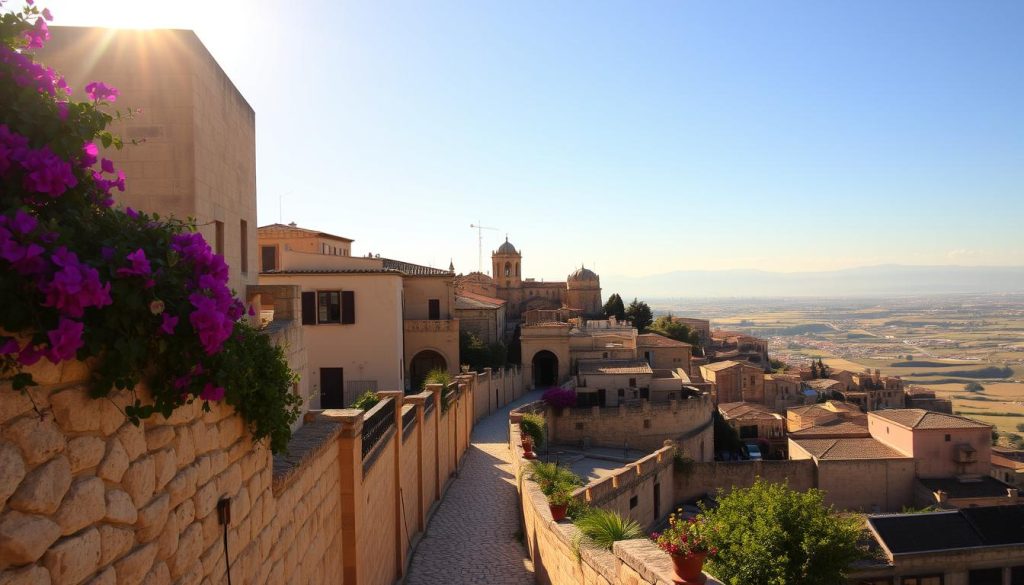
533, 429
686, 541
558, 501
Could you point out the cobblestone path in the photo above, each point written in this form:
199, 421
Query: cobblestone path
473, 538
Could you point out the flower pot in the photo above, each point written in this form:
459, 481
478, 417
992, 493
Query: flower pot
558, 511
688, 567
528, 448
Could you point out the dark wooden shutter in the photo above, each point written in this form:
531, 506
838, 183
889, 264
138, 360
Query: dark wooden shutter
309, 308
348, 307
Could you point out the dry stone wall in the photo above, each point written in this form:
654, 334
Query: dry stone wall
87, 497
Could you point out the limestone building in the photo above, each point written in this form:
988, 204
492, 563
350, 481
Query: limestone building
581, 290
370, 323
197, 133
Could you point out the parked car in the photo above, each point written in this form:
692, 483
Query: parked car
753, 451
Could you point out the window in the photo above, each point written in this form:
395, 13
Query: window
748, 432
992, 576
622, 393
309, 308
579, 426
434, 309
218, 227
633, 502
243, 237
328, 306
268, 258
922, 580
647, 423
632, 382
948, 438
508, 269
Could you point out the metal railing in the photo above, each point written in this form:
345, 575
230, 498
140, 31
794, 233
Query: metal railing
377, 424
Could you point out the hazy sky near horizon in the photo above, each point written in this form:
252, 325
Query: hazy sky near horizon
640, 137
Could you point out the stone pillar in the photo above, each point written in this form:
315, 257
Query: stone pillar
350, 448
400, 542
435, 389
419, 401
488, 388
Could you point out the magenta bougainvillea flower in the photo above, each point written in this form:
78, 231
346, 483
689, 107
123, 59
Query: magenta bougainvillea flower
101, 92
138, 265
64, 340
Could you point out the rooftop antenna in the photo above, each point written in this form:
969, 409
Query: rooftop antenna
480, 244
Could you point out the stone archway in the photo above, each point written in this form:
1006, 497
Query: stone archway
421, 365
545, 369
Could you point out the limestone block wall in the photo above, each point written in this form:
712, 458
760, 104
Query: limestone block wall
646, 427
87, 497
494, 389
880, 485
641, 491
699, 479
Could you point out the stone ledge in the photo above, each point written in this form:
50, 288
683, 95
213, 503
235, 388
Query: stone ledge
305, 444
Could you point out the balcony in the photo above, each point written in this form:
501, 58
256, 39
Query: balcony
431, 326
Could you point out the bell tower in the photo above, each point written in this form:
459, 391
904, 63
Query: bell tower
506, 261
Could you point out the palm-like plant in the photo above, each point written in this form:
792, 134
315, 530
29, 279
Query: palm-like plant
602, 528
553, 478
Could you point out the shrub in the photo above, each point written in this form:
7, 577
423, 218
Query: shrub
534, 426
768, 534
551, 477
559, 397
366, 400
144, 298
602, 528
442, 377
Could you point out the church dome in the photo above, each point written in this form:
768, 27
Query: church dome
507, 248
583, 275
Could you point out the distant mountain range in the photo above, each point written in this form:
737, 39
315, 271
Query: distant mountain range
880, 280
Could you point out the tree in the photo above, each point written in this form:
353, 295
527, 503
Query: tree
614, 307
640, 314
973, 387
479, 355
823, 370
778, 366
768, 534
814, 370
910, 358
664, 325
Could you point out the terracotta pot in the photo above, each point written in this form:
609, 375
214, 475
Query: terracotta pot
688, 567
528, 448
558, 511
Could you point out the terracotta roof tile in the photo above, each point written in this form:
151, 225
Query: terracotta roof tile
657, 340
916, 418
848, 448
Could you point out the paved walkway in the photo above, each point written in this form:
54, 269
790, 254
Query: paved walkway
474, 536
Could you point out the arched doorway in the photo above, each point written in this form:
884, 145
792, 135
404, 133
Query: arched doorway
545, 369
421, 365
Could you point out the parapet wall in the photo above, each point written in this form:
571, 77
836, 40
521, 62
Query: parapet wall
696, 479
85, 496
687, 423
493, 389
559, 556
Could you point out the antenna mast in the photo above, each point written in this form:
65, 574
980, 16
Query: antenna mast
480, 244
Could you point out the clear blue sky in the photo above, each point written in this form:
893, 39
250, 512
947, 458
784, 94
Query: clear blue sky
641, 136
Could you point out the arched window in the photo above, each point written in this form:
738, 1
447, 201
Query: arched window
517, 270
508, 269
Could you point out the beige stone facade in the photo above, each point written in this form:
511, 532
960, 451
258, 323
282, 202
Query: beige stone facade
735, 381
369, 323
197, 156
483, 315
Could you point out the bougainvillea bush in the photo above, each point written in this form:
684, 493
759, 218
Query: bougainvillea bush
143, 296
560, 397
